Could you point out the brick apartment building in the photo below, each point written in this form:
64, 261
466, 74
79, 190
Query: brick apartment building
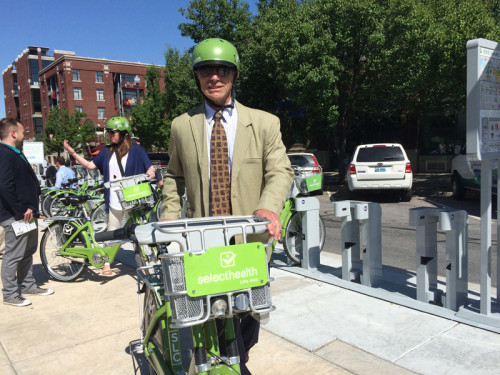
101, 88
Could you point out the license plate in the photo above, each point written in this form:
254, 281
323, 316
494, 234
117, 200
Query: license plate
380, 169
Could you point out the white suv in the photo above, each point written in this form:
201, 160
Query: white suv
381, 166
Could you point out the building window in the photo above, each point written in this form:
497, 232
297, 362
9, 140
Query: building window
34, 72
98, 77
100, 94
77, 93
63, 95
38, 125
76, 74
101, 114
62, 76
78, 108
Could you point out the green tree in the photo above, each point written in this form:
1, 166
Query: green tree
226, 19
149, 118
181, 91
63, 125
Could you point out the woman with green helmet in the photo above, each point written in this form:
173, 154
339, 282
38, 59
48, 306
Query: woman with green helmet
120, 155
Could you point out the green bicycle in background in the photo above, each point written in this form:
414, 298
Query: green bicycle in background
292, 235
201, 279
68, 244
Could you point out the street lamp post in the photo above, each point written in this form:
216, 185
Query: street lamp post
137, 80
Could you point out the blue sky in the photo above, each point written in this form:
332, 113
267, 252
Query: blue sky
137, 31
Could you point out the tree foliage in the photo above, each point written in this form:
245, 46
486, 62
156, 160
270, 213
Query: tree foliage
226, 19
149, 115
343, 71
63, 125
181, 91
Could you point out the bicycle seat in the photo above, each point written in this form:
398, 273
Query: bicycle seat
96, 188
73, 199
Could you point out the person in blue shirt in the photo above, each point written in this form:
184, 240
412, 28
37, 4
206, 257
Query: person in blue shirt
63, 175
133, 159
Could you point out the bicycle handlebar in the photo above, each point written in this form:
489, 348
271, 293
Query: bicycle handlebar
114, 235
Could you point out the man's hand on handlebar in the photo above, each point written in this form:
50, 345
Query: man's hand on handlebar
274, 227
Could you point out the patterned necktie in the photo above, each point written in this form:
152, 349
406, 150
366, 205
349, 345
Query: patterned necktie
220, 178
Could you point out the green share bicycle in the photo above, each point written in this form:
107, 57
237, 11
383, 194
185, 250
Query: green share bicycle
68, 245
202, 278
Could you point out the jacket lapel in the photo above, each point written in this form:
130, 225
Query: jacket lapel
199, 132
243, 136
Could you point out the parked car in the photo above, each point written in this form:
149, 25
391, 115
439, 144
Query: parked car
466, 175
159, 159
379, 167
309, 164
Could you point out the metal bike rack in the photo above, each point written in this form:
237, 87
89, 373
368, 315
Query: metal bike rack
361, 226
310, 228
455, 224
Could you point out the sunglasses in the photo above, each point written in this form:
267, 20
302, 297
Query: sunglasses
208, 70
111, 132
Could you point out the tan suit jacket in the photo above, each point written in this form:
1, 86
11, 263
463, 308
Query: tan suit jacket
261, 173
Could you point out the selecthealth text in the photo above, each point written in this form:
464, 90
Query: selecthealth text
228, 275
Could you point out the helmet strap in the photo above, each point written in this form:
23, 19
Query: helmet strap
214, 105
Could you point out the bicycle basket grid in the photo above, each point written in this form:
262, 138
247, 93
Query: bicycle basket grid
307, 183
190, 310
134, 192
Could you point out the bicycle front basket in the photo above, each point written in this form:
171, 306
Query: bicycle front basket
135, 195
306, 184
184, 308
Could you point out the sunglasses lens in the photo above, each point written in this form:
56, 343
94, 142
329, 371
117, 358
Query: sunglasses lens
221, 71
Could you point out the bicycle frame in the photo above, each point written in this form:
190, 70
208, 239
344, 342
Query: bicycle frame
105, 254
163, 318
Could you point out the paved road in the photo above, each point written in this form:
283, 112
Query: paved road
398, 238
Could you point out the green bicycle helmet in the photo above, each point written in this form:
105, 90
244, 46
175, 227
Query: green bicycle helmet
215, 51
118, 123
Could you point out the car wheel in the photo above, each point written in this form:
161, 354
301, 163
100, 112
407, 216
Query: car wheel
457, 188
406, 195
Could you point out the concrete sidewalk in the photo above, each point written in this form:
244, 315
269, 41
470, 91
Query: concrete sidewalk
88, 326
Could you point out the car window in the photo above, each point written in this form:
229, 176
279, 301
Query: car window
300, 161
371, 154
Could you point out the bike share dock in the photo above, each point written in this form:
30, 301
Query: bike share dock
437, 306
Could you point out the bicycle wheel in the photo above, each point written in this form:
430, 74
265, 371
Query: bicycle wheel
58, 208
47, 200
61, 268
99, 218
293, 237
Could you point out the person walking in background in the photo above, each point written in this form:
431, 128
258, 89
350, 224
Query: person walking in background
50, 175
64, 174
119, 159
19, 193
229, 157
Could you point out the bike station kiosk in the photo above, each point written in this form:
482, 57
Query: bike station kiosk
483, 143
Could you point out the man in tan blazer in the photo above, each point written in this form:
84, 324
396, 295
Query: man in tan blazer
259, 169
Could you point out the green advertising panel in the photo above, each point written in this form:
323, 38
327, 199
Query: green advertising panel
313, 182
225, 269
136, 192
